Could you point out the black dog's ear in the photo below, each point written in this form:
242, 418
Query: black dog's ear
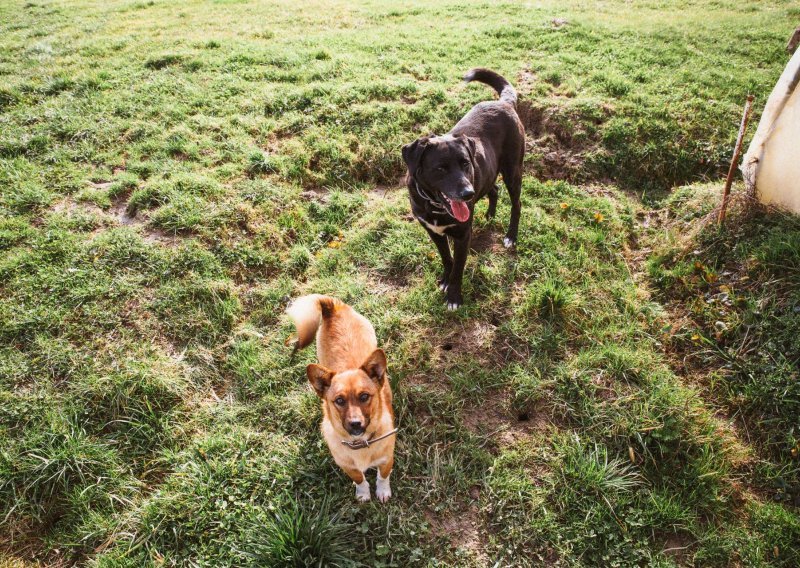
412, 154
375, 366
469, 142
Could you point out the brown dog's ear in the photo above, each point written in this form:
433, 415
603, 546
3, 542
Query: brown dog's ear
375, 366
412, 155
320, 378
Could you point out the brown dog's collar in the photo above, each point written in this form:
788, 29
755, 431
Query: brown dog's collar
361, 444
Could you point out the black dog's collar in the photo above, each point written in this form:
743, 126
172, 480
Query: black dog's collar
430, 200
427, 197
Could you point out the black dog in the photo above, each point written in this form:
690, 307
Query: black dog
448, 174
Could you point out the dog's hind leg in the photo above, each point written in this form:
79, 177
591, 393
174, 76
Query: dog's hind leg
512, 177
492, 202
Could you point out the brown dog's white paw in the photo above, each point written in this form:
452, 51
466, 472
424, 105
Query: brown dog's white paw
362, 491
383, 490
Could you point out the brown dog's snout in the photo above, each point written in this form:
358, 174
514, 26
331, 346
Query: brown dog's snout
354, 421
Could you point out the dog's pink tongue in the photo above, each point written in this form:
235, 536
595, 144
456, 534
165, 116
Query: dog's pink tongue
460, 210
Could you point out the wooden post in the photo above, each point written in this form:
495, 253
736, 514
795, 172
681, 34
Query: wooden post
794, 41
735, 160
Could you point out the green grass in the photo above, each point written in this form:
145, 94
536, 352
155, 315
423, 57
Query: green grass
739, 287
171, 175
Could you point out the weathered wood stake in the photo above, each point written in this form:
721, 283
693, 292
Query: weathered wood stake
735, 160
794, 41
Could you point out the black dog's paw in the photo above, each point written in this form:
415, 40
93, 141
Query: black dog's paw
443, 284
454, 301
509, 243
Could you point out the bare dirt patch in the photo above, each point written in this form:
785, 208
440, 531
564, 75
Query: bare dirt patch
159, 237
486, 240
679, 546
495, 418
119, 209
474, 338
383, 192
317, 194
20, 547
463, 530
600, 190
117, 215
68, 206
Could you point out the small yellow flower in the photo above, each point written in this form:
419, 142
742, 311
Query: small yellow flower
564, 206
334, 244
695, 337
599, 217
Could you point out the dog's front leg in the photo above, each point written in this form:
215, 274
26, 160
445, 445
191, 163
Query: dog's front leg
383, 490
447, 261
362, 485
460, 250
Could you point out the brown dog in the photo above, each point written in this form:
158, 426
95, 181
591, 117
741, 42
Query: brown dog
448, 174
357, 416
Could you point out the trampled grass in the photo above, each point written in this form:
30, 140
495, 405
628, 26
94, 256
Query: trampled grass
172, 174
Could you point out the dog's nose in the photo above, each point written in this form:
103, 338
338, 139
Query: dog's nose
355, 425
466, 193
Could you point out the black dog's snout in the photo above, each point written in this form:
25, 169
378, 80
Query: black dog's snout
466, 193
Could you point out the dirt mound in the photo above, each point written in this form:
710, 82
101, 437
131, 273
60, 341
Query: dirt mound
562, 132
561, 137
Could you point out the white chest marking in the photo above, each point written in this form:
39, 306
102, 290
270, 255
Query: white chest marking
438, 229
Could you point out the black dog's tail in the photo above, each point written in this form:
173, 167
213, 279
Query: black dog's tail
496, 81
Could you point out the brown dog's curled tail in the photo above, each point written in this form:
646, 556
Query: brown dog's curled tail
306, 313
496, 81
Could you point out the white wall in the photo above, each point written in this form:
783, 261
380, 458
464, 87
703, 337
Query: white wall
772, 163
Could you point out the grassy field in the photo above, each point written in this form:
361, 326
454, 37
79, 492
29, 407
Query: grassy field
622, 390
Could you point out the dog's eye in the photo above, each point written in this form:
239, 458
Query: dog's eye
339, 401
464, 163
364, 397
441, 169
